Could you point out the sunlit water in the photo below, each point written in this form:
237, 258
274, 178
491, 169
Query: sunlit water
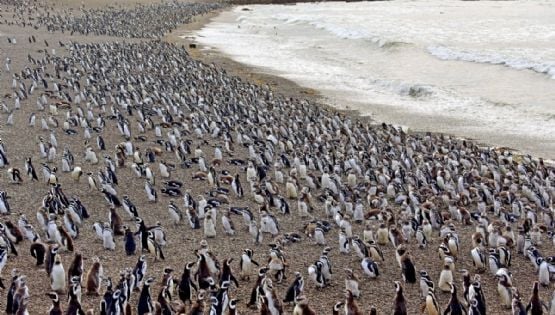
483, 70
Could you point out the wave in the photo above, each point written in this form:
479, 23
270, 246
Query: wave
343, 32
494, 58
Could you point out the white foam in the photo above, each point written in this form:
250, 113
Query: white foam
491, 57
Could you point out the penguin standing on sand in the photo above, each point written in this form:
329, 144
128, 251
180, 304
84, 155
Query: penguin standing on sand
226, 274
295, 289
93, 278
55, 309
186, 285
145, 304
257, 292
399, 304
246, 264
129, 243
30, 169
38, 251
140, 270
454, 307
58, 276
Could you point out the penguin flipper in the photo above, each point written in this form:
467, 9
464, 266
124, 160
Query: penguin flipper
254, 262
234, 281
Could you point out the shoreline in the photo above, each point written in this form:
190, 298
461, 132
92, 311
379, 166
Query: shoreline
209, 55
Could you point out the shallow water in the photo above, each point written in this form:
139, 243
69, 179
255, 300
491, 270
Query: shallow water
483, 70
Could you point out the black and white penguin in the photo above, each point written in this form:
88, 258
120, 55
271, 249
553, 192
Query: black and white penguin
145, 304
226, 274
56, 308
295, 289
129, 243
399, 303
186, 285
425, 283
15, 175
257, 290
30, 169
247, 263
129, 207
38, 251
370, 267
236, 186
140, 270
454, 307
112, 199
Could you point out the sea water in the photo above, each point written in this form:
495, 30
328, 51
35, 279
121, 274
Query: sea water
478, 69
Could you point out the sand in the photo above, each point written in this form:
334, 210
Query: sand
21, 142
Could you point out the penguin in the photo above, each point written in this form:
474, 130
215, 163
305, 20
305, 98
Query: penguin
477, 297
517, 307
454, 306
154, 248
504, 287
431, 304
76, 267
115, 222
257, 291
209, 226
478, 259
273, 303
315, 274
351, 283
351, 306
337, 308
55, 309
233, 307
370, 268
175, 213
425, 283
31, 173
228, 224
145, 304
186, 285
58, 279
108, 241
129, 243
150, 191
139, 271
130, 208
399, 303
295, 289
236, 186
15, 175
50, 258
93, 278
407, 268
112, 199
226, 273
38, 251
445, 279
535, 305
246, 264
544, 276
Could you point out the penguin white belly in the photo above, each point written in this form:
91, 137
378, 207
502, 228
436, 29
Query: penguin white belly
58, 278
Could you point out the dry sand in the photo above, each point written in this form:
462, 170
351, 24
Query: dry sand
21, 142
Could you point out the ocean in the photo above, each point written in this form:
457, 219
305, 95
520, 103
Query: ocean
479, 69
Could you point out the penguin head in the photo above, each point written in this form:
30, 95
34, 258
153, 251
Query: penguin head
53, 296
233, 304
149, 281
337, 307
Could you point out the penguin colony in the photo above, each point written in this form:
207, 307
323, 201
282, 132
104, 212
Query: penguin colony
136, 180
